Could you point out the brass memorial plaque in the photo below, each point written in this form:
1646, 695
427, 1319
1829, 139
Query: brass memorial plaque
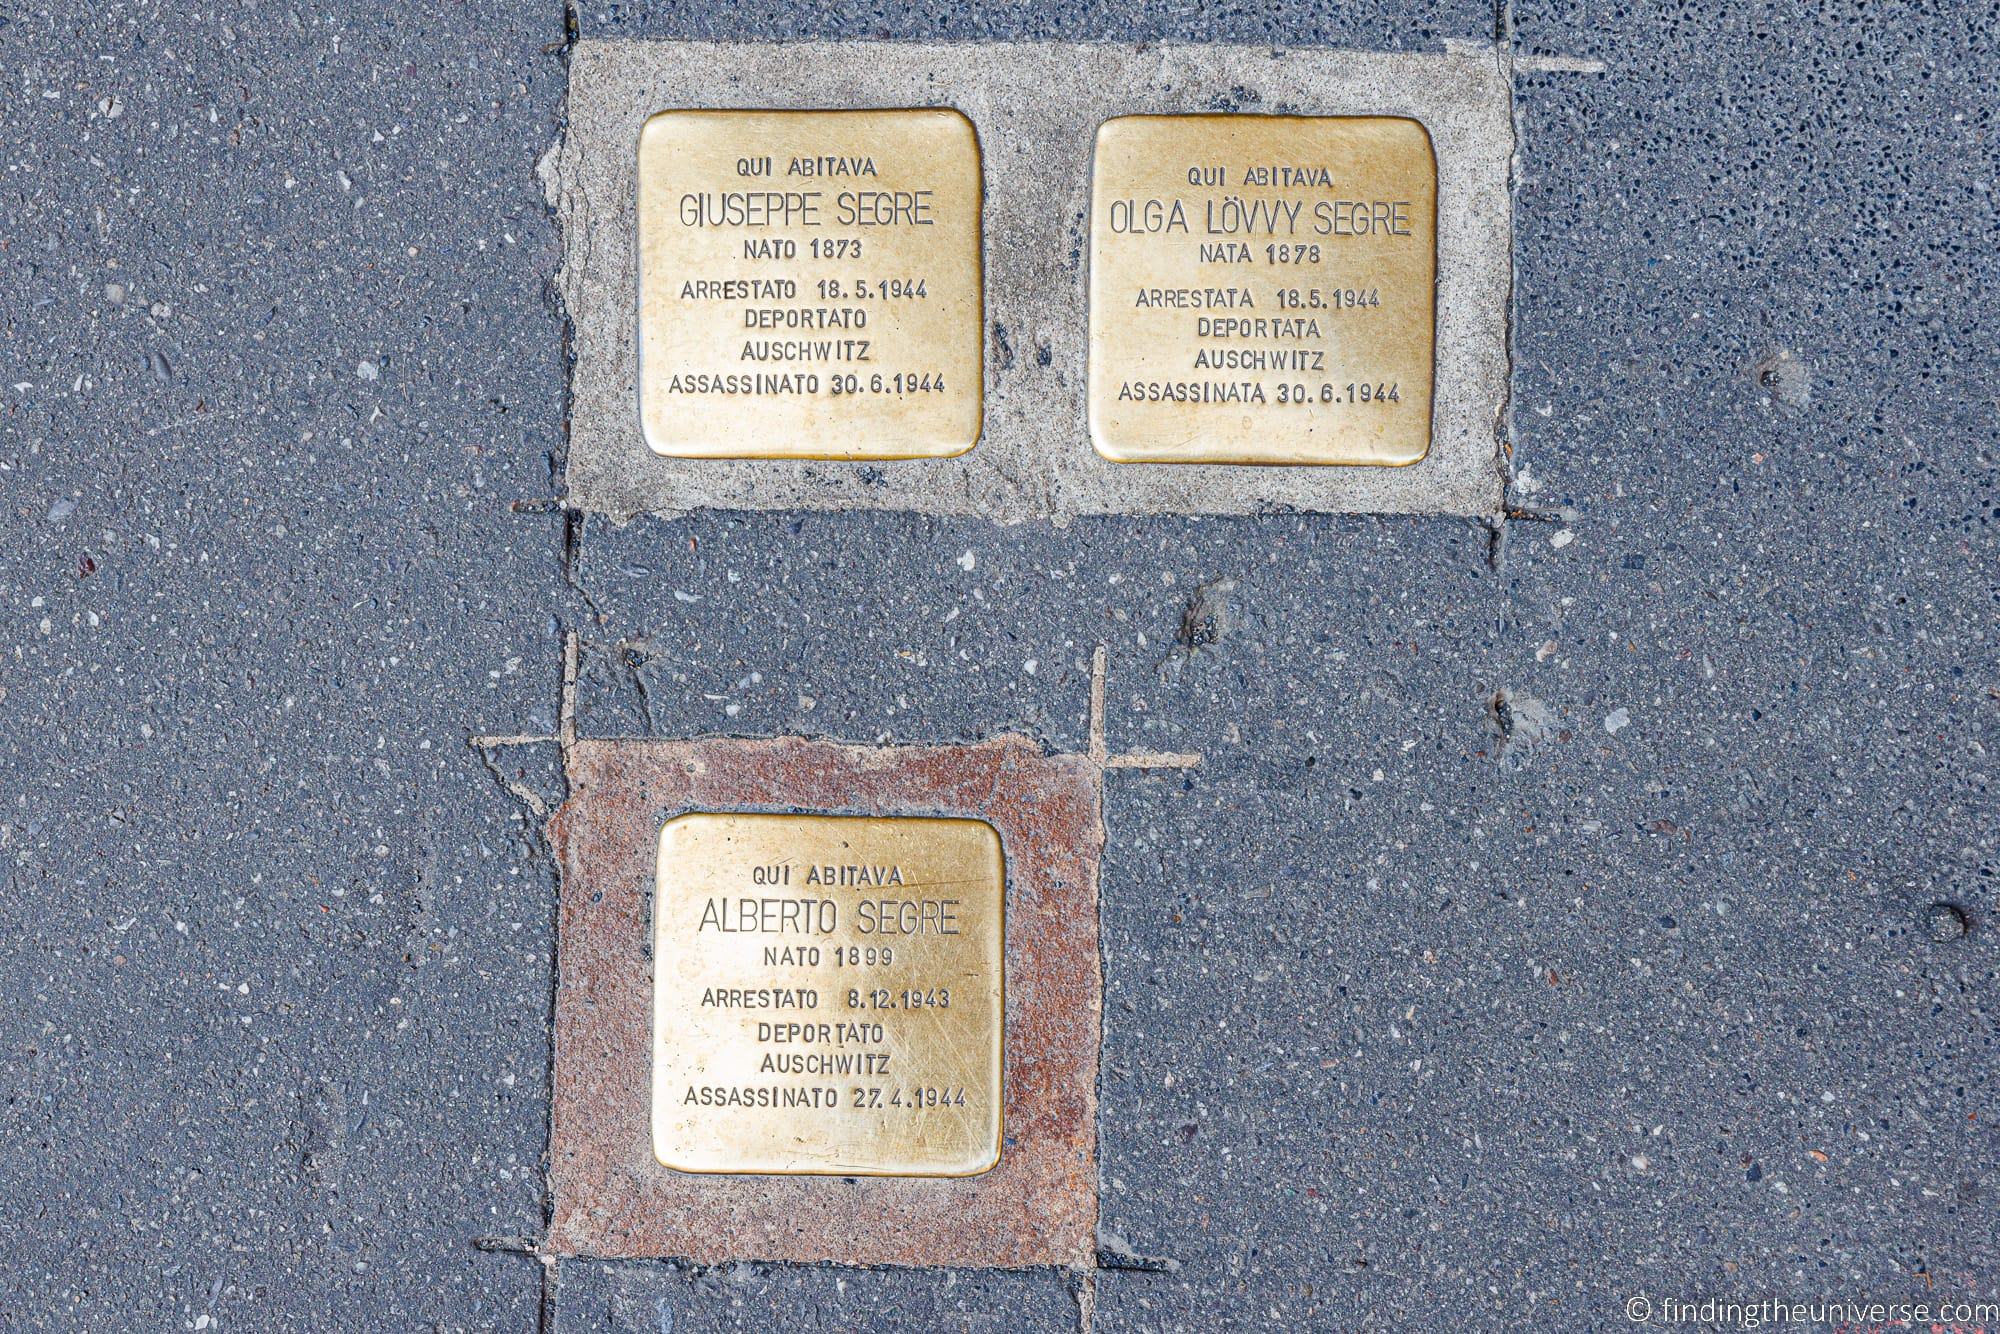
827, 995
1262, 289
809, 284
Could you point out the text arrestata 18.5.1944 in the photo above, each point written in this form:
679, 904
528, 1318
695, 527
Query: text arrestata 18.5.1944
1262, 289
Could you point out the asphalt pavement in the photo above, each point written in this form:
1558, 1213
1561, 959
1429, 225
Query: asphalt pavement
1587, 907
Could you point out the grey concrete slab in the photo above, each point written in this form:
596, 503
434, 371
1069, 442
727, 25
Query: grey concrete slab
274, 944
1372, 25
1036, 109
669, 1298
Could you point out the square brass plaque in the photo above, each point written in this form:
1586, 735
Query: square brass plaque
827, 995
809, 284
1262, 289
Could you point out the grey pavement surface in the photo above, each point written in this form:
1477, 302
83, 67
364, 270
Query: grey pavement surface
671, 1298
276, 959
1599, 906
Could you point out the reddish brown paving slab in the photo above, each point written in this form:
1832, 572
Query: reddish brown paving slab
612, 1198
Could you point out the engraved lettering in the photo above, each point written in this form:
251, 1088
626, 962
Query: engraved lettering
1267, 217
1148, 216
1193, 298
907, 917
717, 1095
760, 998
832, 166
809, 299
855, 875
751, 208
839, 1035
771, 916
1328, 224
827, 1015
824, 1063
885, 208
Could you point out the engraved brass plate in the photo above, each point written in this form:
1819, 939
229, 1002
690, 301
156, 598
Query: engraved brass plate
809, 284
1262, 289
827, 995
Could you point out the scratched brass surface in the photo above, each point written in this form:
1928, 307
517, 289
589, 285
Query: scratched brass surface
809, 284
1262, 289
828, 995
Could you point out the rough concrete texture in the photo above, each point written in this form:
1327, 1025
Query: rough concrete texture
611, 1198
1036, 108
1363, 25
